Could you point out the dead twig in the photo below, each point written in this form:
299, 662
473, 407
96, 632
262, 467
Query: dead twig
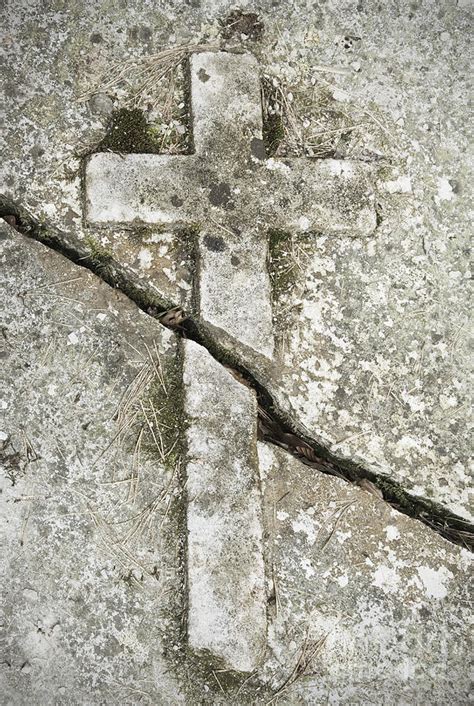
303, 666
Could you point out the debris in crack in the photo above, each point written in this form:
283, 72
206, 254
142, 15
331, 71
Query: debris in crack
451, 527
238, 376
11, 220
370, 487
271, 429
172, 318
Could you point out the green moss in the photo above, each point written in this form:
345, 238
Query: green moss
273, 133
188, 236
99, 255
200, 333
128, 131
385, 172
45, 236
167, 396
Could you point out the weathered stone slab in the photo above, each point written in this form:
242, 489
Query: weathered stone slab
83, 489
398, 82
372, 605
374, 351
330, 195
228, 266
227, 601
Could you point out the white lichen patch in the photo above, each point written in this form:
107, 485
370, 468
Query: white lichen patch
304, 524
445, 190
392, 533
435, 581
387, 579
145, 259
402, 185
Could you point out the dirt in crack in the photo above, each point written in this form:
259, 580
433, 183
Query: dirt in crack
272, 428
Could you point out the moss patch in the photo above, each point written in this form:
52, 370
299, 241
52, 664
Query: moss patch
273, 133
282, 266
282, 271
128, 131
99, 253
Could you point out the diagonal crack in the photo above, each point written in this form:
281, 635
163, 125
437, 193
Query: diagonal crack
274, 425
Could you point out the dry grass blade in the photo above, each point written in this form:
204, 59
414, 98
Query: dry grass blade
342, 512
309, 120
123, 556
143, 73
370, 487
303, 666
155, 361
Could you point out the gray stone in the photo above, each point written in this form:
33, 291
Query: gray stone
374, 355
101, 104
369, 351
372, 606
226, 578
84, 490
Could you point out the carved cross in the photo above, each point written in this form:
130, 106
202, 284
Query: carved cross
233, 192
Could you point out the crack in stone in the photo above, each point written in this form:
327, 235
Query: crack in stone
272, 427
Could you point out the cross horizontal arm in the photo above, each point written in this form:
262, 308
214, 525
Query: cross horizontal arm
330, 196
148, 188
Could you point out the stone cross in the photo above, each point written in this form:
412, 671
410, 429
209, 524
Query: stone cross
233, 192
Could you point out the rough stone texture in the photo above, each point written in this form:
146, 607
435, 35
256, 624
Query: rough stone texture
233, 193
381, 602
375, 350
226, 576
375, 331
225, 104
83, 563
371, 343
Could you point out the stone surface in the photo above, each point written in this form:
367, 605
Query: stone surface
369, 356
83, 494
375, 352
226, 576
373, 606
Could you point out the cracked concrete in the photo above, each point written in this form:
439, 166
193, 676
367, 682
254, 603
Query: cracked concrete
83, 521
365, 352
91, 551
374, 593
371, 391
